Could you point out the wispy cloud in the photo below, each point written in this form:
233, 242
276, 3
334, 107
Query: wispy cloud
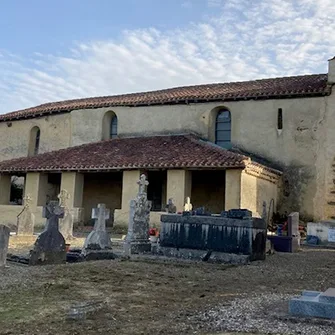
244, 40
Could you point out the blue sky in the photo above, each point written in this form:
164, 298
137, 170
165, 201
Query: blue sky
56, 50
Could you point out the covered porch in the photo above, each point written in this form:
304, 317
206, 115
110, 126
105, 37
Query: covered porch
107, 172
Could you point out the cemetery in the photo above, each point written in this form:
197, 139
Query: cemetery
197, 273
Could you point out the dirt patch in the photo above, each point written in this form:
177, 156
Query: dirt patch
146, 297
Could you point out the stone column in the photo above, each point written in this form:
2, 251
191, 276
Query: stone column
32, 188
73, 183
233, 189
179, 185
5, 184
129, 192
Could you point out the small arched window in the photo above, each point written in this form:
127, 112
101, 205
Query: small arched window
223, 129
109, 125
34, 141
113, 127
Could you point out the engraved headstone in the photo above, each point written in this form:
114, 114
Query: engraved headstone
49, 247
4, 240
65, 224
137, 239
99, 240
26, 219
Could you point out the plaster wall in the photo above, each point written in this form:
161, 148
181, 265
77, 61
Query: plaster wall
233, 189
208, 189
15, 135
304, 149
104, 188
255, 191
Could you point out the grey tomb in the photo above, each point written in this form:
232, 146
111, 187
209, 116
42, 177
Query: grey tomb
137, 240
314, 304
49, 247
4, 240
98, 243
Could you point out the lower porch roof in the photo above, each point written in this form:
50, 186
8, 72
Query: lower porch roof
147, 152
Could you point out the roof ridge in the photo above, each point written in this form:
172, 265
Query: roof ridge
257, 88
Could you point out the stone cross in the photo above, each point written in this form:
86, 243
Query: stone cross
188, 206
143, 183
27, 200
100, 214
98, 239
63, 197
53, 212
49, 247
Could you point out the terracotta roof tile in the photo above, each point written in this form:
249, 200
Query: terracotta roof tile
174, 151
307, 85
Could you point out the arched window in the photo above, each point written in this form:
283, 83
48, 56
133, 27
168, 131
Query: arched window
34, 141
113, 127
223, 129
109, 125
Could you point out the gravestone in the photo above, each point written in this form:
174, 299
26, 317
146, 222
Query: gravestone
293, 230
65, 224
314, 304
137, 240
171, 207
49, 247
26, 219
4, 240
98, 243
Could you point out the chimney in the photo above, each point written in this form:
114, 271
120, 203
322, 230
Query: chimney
331, 71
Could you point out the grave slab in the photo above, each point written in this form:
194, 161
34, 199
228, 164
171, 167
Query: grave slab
314, 304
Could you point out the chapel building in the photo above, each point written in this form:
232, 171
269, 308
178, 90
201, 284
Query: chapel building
265, 145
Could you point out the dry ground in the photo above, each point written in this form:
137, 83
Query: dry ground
147, 297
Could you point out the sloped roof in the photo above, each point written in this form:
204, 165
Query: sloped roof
173, 151
285, 87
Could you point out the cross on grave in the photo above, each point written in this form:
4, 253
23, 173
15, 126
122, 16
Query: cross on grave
27, 200
188, 206
49, 247
52, 212
143, 183
63, 197
100, 214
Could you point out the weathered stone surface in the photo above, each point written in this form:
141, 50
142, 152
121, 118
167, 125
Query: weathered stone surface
99, 240
314, 304
49, 247
218, 234
293, 231
137, 239
171, 207
4, 240
66, 223
26, 219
